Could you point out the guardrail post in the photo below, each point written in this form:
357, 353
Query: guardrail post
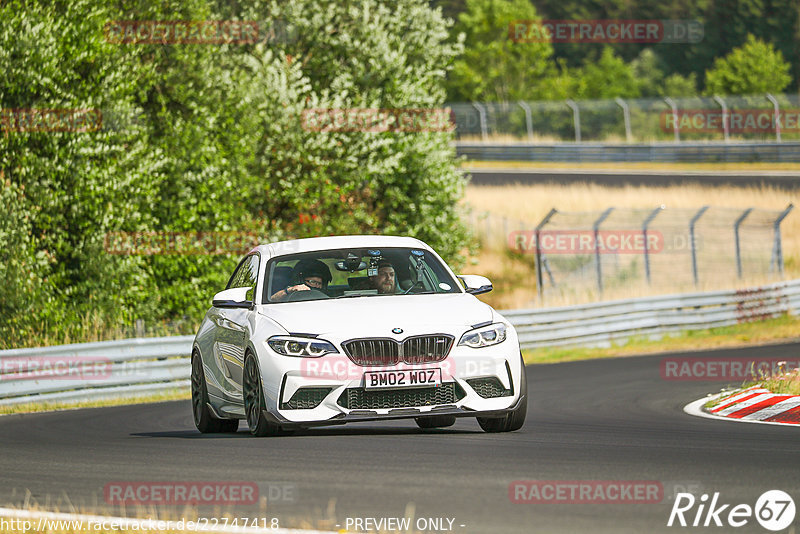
777, 251
537, 232
576, 118
596, 229
692, 244
626, 117
777, 110
725, 125
482, 119
736, 226
645, 224
675, 128
528, 118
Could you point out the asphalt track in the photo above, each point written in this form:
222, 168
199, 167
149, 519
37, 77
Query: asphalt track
779, 179
613, 419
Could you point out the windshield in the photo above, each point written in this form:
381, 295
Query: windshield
352, 273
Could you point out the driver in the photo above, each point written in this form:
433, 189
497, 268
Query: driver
383, 281
306, 275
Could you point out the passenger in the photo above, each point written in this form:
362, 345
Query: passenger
307, 275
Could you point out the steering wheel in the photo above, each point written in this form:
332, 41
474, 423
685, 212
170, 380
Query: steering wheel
311, 294
413, 286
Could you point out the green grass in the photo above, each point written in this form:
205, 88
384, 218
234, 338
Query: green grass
784, 328
176, 394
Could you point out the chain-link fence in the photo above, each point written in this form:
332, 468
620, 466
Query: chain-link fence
730, 118
615, 248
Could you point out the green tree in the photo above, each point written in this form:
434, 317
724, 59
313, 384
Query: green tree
754, 68
677, 85
608, 77
208, 138
496, 66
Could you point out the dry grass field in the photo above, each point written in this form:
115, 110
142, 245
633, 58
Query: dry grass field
513, 277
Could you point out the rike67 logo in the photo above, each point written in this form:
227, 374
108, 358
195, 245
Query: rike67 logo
774, 510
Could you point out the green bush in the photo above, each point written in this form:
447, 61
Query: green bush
207, 138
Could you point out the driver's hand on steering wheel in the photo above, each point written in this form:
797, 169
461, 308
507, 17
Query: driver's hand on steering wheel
299, 287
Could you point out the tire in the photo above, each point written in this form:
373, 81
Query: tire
204, 420
253, 393
514, 419
435, 421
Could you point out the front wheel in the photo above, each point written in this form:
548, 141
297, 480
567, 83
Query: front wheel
204, 420
254, 402
514, 419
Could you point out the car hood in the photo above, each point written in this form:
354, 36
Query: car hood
378, 315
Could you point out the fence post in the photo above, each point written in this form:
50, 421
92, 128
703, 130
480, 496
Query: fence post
645, 224
139, 327
675, 128
777, 109
576, 119
694, 220
777, 251
626, 116
596, 229
528, 118
537, 233
482, 119
725, 126
736, 226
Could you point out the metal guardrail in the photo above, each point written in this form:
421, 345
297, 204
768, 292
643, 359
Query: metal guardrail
94, 371
130, 367
604, 323
691, 152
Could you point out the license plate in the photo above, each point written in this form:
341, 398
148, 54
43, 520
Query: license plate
402, 379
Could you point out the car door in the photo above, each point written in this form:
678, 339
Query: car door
232, 332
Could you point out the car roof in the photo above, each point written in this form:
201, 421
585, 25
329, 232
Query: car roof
311, 244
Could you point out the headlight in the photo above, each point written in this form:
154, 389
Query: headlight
484, 336
302, 347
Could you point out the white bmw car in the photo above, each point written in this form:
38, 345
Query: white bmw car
332, 330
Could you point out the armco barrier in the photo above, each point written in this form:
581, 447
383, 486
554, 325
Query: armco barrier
787, 152
93, 371
151, 365
602, 323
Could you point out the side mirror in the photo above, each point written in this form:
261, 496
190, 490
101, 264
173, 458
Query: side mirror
476, 284
235, 297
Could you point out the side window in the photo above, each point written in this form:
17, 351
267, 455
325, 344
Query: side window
250, 275
246, 274
237, 274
